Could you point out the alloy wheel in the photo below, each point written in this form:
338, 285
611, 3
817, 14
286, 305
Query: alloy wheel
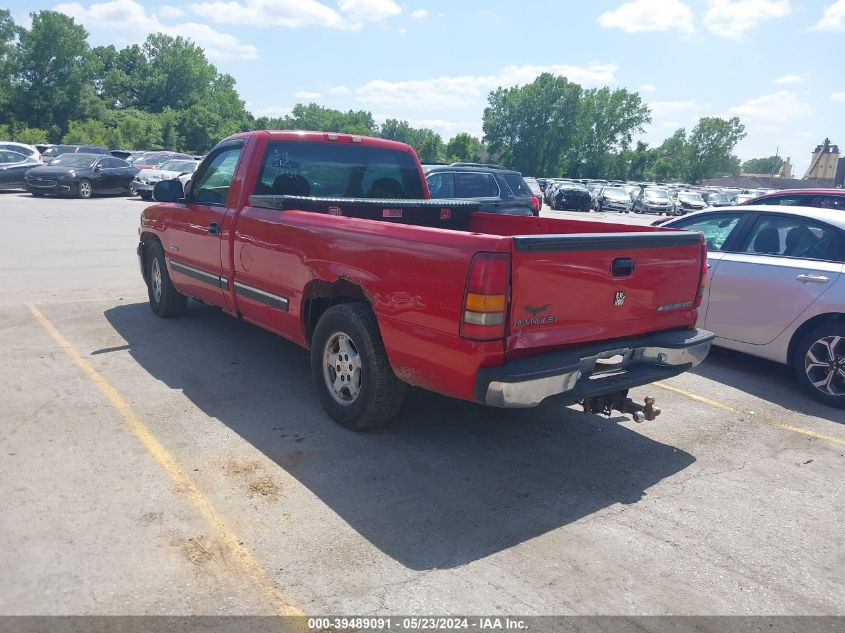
825, 365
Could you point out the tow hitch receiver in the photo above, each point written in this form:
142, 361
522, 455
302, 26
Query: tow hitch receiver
620, 401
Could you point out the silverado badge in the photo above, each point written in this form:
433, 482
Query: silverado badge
535, 310
620, 298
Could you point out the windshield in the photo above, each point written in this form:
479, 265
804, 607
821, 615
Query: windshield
183, 166
690, 197
719, 197
75, 160
518, 185
656, 194
614, 191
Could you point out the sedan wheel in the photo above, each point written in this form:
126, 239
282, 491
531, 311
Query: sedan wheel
84, 189
820, 364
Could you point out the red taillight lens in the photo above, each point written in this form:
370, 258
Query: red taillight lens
486, 297
535, 203
702, 277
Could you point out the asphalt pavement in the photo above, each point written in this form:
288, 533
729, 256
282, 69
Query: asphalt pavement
185, 467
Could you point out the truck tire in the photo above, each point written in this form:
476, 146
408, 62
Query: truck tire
819, 363
165, 300
353, 376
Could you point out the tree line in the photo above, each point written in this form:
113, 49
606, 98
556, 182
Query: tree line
165, 94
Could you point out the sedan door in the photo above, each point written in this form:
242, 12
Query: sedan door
779, 268
13, 168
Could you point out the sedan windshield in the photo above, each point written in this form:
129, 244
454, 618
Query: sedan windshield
691, 197
614, 191
656, 194
183, 166
74, 160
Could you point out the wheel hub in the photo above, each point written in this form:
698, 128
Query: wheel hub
342, 368
824, 365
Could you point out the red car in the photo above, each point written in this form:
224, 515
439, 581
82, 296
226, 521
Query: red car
330, 241
825, 198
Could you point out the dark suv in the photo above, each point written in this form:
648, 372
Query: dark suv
498, 190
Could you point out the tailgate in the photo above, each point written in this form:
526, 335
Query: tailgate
572, 289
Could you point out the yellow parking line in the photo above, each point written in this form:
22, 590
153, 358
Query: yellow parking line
782, 425
248, 562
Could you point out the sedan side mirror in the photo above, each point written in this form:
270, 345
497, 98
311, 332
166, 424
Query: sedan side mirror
168, 191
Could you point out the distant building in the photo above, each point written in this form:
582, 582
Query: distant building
824, 162
786, 169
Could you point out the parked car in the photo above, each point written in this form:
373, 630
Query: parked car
652, 200
52, 151
742, 198
614, 199
22, 148
146, 179
81, 175
498, 190
717, 199
13, 169
476, 306
825, 198
572, 197
776, 288
685, 202
536, 190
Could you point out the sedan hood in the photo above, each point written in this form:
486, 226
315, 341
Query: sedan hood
55, 171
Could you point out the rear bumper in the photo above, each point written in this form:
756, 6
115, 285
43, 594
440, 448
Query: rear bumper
592, 370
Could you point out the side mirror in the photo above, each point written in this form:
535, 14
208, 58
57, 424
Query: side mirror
168, 191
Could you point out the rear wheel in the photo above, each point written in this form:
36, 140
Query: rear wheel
165, 300
84, 189
819, 364
354, 379
145, 195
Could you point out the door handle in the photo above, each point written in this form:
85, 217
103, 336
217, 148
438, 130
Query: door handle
819, 279
214, 228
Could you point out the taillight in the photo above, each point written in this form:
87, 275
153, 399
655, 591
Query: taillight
702, 277
486, 297
535, 203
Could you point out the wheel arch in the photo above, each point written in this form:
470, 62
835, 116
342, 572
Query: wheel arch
146, 237
837, 318
319, 296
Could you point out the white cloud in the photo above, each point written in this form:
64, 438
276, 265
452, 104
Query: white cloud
130, 16
268, 111
339, 90
351, 14
169, 11
839, 97
447, 92
304, 95
772, 110
661, 109
833, 18
647, 88
419, 14
650, 15
403, 30
731, 19
789, 79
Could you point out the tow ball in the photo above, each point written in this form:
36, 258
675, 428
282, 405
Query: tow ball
620, 401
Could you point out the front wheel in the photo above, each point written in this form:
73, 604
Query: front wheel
354, 379
165, 300
819, 364
145, 195
84, 189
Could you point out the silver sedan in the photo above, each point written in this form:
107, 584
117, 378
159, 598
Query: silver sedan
776, 288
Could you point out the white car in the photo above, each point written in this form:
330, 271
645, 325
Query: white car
146, 179
22, 148
776, 288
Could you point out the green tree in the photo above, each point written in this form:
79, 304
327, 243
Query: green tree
8, 32
53, 73
606, 123
396, 130
769, 165
317, 117
533, 128
90, 131
465, 148
429, 146
709, 148
30, 136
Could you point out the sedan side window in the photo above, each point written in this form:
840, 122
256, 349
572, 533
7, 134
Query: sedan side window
792, 237
212, 185
716, 228
472, 185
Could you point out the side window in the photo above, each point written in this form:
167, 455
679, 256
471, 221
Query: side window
110, 163
211, 186
7, 157
716, 228
792, 237
518, 185
789, 201
441, 184
828, 202
475, 185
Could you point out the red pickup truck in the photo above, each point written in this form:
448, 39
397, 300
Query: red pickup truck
331, 241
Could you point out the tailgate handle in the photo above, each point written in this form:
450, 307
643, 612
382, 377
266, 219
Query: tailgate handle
622, 266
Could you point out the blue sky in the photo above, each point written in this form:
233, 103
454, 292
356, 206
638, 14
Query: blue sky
777, 64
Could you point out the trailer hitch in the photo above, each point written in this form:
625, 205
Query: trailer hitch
605, 405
